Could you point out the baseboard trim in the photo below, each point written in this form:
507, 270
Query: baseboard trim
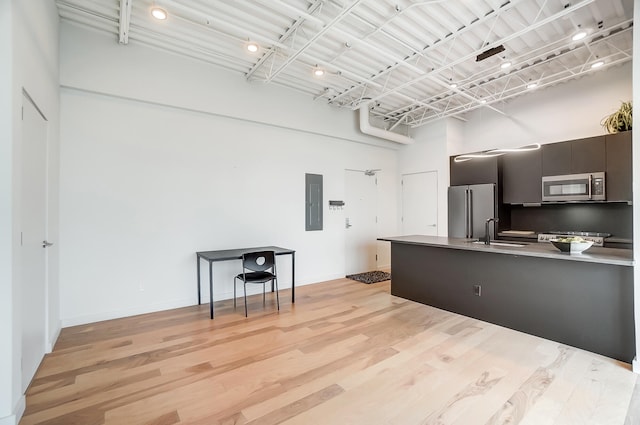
18, 411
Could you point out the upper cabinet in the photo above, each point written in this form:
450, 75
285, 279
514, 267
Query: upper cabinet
474, 171
588, 155
521, 177
618, 166
556, 159
573, 157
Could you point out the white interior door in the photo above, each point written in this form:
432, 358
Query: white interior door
420, 203
33, 255
360, 221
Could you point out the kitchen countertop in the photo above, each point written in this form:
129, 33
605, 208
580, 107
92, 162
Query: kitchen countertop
613, 256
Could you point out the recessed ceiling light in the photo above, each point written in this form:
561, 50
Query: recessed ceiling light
505, 65
579, 35
318, 72
159, 13
597, 64
453, 85
483, 101
252, 47
531, 86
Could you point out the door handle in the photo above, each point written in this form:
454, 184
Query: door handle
347, 224
46, 244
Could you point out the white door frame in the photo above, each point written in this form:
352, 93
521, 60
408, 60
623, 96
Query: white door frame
34, 218
352, 261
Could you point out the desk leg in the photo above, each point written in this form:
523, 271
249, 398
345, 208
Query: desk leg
198, 268
293, 277
211, 288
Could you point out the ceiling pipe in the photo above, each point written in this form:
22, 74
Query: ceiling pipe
367, 128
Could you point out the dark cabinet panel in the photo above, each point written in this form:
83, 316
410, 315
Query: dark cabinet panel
473, 171
573, 157
556, 159
521, 177
524, 293
588, 155
618, 166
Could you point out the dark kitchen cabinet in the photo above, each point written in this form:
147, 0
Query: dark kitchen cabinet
556, 159
473, 171
574, 157
588, 155
521, 177
618, 166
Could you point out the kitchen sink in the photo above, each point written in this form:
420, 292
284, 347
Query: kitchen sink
496, 243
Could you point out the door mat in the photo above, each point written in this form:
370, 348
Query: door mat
370, 277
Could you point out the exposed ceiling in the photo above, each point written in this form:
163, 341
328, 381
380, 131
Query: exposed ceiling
412, 61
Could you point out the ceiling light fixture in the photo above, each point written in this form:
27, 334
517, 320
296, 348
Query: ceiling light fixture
159, 13
579, 35
597, 64
495, 152
252, 47
318, 72
488, 53
483, 101
453, 85
505, 65
532, 86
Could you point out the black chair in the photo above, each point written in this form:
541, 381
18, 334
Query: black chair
257, 267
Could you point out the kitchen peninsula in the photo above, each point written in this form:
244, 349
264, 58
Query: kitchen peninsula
583, 300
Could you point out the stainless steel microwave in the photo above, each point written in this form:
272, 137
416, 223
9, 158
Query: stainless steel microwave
574, 187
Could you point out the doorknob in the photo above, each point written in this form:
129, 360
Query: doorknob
46, 244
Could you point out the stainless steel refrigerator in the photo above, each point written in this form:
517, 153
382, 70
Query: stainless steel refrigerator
469, 208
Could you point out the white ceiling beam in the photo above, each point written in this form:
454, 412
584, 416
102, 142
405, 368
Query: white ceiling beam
432, 75
343, 14
125, 21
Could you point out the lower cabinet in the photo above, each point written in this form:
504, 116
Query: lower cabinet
582, 304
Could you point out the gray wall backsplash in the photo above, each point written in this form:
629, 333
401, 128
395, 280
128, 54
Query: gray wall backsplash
614, 218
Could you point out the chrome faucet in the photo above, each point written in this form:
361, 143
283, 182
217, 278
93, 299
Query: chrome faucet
487, 241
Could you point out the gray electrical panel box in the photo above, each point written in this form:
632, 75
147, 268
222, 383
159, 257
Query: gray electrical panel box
313, 202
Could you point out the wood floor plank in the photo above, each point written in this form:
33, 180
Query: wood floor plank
344, 353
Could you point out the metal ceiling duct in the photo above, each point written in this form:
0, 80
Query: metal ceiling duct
367, 128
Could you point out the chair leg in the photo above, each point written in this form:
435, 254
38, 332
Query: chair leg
245, 300
234, 293
263, 296
277, 296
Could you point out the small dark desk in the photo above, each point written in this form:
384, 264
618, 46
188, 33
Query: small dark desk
236, 254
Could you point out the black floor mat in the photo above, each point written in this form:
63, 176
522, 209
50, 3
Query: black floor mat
370, 277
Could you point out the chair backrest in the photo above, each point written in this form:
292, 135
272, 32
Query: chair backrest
259, 261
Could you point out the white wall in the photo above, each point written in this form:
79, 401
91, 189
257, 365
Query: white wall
636, 190
8, 355
571, 110
159, 157
429, 153
28, 61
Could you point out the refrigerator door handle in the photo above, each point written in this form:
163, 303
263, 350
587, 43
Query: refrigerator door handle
468, 208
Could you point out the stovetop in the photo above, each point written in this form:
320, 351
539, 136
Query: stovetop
574, 233
595, 237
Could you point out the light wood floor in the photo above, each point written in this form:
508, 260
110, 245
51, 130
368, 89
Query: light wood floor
345, 353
